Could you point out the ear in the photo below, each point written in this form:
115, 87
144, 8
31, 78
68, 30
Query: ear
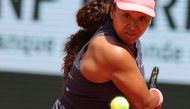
111, 12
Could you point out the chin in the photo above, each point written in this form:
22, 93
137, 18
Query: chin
131, 42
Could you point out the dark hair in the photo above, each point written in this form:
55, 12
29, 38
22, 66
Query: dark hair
90, 17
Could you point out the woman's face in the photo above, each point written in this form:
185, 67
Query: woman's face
129, 25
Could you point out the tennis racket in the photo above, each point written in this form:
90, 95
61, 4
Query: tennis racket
153, 77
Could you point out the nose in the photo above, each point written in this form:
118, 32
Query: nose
132, 25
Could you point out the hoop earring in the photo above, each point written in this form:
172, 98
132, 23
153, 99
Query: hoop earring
150, 22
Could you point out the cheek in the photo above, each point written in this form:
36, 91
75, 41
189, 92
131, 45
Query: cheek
117, 26
120, 29
143, 28
118, 20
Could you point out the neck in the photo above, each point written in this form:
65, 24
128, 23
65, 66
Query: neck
133, 48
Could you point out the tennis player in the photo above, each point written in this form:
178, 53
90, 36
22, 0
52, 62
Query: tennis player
104, 58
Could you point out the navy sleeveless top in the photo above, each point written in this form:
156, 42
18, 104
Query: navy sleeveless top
83, 94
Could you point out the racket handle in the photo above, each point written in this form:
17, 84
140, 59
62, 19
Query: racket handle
153, 78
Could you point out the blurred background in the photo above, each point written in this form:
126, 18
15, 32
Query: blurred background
32, 37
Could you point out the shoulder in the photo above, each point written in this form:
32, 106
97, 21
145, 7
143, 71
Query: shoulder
109, 51
109, 45
103, 55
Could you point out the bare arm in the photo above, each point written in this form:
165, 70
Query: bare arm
126, 76
113, 62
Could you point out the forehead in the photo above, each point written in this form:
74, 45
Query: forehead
137, 13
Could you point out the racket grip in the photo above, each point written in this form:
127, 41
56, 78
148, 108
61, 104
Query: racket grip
153, 78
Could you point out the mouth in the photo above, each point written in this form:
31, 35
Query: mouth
131, 36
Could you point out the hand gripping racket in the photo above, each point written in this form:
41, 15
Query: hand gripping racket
153, 77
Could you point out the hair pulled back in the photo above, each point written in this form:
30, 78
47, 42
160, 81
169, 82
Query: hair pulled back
90, 17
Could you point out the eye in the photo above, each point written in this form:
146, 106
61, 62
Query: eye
127, 16
143, 18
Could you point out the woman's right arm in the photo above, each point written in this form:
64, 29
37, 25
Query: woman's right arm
127, 77
118, 65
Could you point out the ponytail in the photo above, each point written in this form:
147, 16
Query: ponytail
90, 17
